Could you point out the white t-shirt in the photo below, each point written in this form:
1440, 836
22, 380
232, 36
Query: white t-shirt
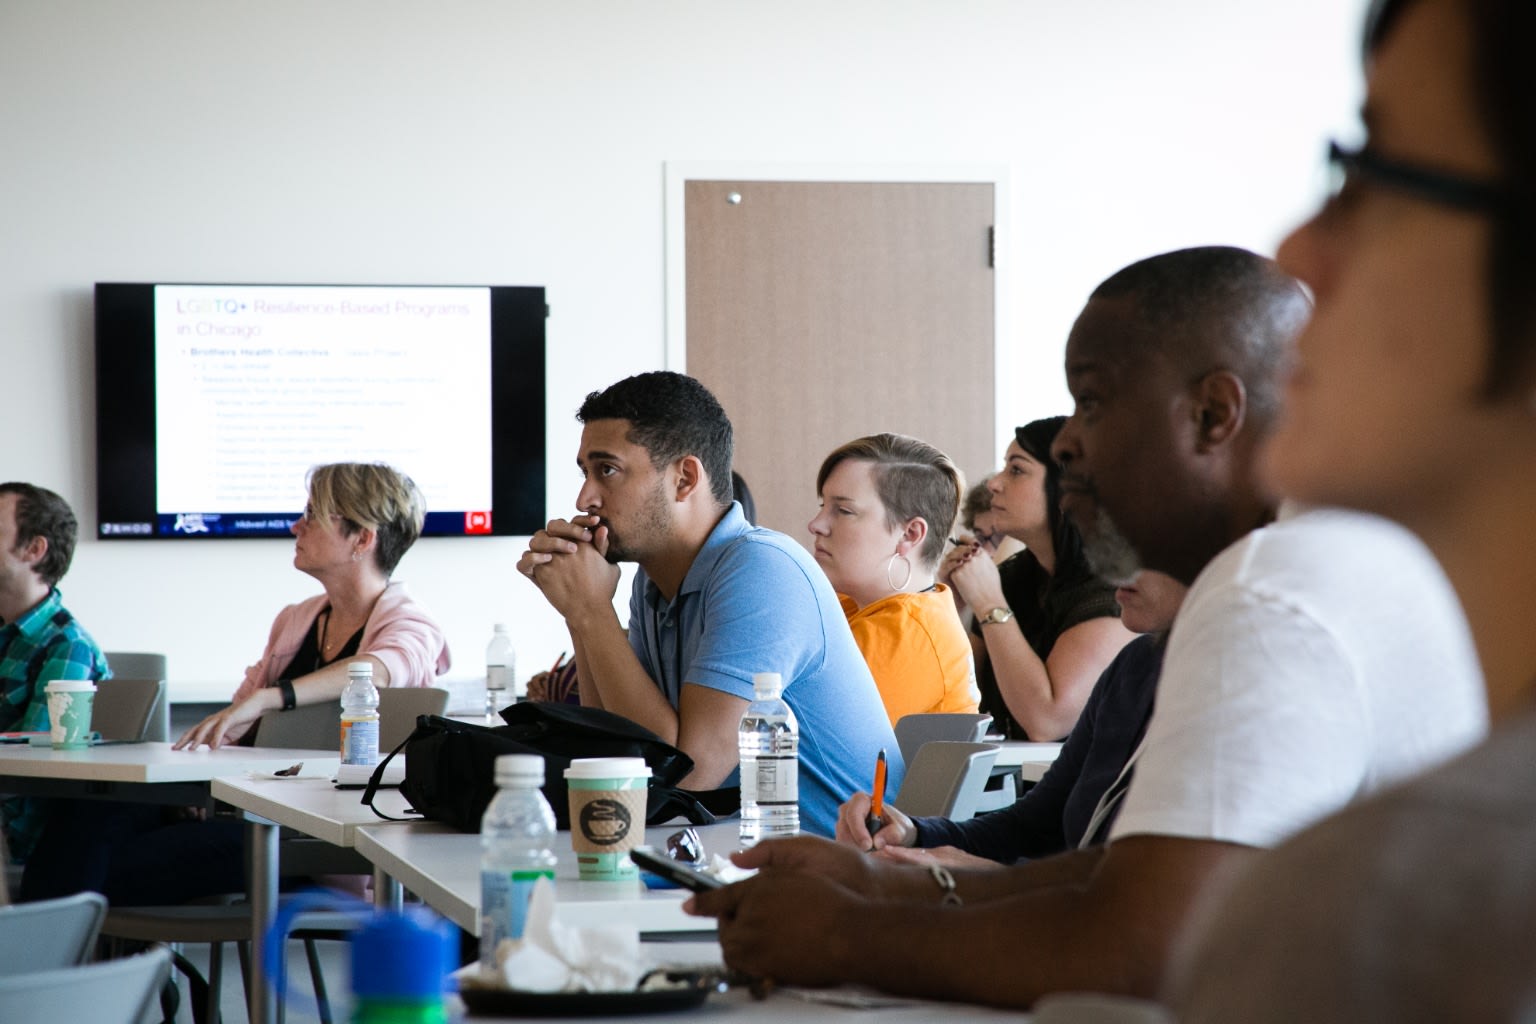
1313, 662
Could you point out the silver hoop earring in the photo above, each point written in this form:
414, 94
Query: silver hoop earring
357, 556
905, 579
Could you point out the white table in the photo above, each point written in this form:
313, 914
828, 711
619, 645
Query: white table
1030, 760
442, 866
147, 772
310, 804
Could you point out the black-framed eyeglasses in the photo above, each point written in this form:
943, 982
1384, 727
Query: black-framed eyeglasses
685, 846
1443, 188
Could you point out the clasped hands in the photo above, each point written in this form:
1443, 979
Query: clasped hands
567, 561
972, 574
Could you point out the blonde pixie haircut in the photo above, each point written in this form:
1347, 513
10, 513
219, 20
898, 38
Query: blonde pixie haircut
370, 496
913, 478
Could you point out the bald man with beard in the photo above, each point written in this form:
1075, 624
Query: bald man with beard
1294, 682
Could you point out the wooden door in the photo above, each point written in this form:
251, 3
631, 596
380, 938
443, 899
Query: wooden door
819, 312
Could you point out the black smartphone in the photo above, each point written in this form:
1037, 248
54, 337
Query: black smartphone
674, 871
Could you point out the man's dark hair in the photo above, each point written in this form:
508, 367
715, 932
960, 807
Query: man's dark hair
1504, 91
1218, 307
41, 513
670, 415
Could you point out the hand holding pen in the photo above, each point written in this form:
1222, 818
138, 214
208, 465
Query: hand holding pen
540, 685
876, 819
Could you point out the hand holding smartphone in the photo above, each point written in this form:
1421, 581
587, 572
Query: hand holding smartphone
674, 871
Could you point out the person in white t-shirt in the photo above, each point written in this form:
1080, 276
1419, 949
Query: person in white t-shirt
1292, 685
1316, 660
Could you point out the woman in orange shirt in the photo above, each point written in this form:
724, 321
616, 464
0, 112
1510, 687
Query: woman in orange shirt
888, 503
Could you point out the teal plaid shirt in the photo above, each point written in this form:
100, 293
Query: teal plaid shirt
44, 644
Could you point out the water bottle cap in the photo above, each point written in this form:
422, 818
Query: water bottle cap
500, 627
405, 955
512, 769
360, 668
767, 684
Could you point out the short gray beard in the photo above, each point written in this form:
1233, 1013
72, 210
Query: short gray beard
1109, 554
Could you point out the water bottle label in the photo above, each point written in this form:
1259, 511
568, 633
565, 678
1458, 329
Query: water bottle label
771, 780
504, 900
496, 677
360, 742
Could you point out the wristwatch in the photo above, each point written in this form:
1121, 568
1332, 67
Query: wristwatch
1002, 613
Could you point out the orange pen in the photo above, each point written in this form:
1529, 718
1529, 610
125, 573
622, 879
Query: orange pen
876, 819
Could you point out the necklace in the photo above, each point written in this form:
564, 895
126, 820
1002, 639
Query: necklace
325, 631
325, 627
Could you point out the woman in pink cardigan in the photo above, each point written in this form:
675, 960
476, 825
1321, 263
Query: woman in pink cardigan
359, 521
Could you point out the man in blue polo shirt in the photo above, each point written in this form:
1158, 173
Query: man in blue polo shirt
716, 599
39, 640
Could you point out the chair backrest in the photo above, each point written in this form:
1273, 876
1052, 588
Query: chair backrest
124, 709
912, 731
48, 934
136, 664
946, 779
399, 707
318, 726
311, 727
145, 665
110, 992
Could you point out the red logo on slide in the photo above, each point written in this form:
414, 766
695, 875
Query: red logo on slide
477, 522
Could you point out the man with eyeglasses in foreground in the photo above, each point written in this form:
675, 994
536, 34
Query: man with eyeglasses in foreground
1315, 659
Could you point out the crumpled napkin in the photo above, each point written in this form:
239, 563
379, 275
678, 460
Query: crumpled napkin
552, 957
723, 869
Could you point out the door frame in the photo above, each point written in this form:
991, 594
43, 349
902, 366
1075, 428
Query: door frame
1005, 353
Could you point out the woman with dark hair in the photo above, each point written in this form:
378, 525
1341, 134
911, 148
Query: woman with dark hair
1414, 396
1045, 626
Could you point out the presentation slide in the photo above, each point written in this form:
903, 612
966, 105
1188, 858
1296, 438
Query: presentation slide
256, 384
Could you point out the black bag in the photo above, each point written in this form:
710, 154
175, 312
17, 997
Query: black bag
450, 766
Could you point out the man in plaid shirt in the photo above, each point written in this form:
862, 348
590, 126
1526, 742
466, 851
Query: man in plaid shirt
39, 640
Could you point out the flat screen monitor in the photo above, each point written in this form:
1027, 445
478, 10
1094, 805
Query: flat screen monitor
214, 400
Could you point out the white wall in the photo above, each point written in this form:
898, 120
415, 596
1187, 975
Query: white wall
523, 141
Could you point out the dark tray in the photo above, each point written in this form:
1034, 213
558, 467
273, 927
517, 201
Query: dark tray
496, 1002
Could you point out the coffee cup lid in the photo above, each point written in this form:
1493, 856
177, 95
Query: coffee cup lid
608, 768
70, 686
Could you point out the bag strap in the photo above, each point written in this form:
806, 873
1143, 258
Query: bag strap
423, 728
671, 802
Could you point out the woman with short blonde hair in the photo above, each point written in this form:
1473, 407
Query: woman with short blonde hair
888, 503
359, 521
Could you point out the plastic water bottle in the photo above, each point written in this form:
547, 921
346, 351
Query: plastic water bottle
769, 744
517, 848
499, 662
360, 716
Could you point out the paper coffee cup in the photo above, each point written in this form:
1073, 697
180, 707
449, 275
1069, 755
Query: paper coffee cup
69, 711
607, 797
